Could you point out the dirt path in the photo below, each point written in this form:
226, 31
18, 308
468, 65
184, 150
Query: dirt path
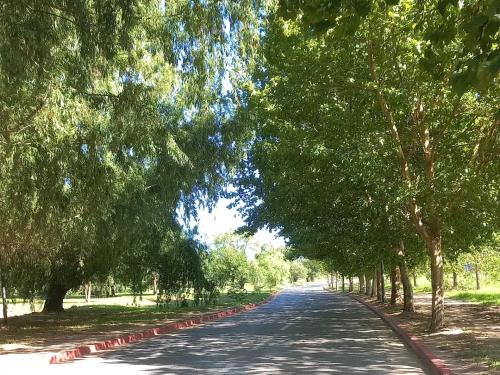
470, 341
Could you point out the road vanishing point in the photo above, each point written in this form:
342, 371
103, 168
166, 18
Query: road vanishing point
303, 330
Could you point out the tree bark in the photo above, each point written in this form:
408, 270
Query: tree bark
478, 285
343, 284
395, 285
437, 280
336, 281
55, 298
367, 285
3, 292
377, 272
88, 291
351, 284
374, 292
4, 305
361, 285
408, 305
382, 282
155, 284
455, 282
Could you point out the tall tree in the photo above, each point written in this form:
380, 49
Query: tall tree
108, 109
347, 110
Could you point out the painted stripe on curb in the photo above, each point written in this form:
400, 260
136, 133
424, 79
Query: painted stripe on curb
431, 362
83, 350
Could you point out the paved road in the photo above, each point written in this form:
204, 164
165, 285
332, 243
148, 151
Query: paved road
303, 330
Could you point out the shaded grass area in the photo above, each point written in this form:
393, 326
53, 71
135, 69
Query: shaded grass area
78, 322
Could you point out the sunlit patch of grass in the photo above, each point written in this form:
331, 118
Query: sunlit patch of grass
494, 364
485, 297
422, 289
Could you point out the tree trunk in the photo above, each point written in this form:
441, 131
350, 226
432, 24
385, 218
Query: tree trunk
408, 305
88, 291
336, 281
343, 284
4, 305
437, 280
382, 282
155, 285
374, 285
55, 298
395, 285
367, 285
478, 285
377, 272
3, 292
351, 284
455, 282
361, 279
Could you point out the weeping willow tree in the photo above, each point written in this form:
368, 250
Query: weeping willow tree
111, 113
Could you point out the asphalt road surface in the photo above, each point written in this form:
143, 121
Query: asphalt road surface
302, 331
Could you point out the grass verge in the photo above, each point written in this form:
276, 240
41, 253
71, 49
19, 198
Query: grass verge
36, 330
485, 297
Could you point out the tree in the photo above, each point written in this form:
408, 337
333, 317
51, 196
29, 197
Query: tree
109, 109
270, 268
356, 139
297, 271
226, 263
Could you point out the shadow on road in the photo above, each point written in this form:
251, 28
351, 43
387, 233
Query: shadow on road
303, 330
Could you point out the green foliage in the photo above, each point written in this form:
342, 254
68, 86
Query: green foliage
269, 269
360, 143
297, 271
226, 263
180, 269
469, 31
112, 113
314, 269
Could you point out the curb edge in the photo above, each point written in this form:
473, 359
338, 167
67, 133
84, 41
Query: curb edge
434, 364
83, 350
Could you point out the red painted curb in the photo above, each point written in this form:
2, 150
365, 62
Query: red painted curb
432, 363
83, 350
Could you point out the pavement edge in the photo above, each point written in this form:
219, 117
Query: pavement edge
80, 351
431, 362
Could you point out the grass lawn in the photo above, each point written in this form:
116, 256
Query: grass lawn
79, 321
486, 296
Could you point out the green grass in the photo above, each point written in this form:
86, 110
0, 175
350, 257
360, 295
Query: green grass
91, 319
422, 289
486, 296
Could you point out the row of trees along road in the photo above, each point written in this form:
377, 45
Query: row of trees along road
376, 134
372, 128
112, 113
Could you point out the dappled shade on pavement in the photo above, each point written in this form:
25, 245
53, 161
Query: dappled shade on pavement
304, 330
